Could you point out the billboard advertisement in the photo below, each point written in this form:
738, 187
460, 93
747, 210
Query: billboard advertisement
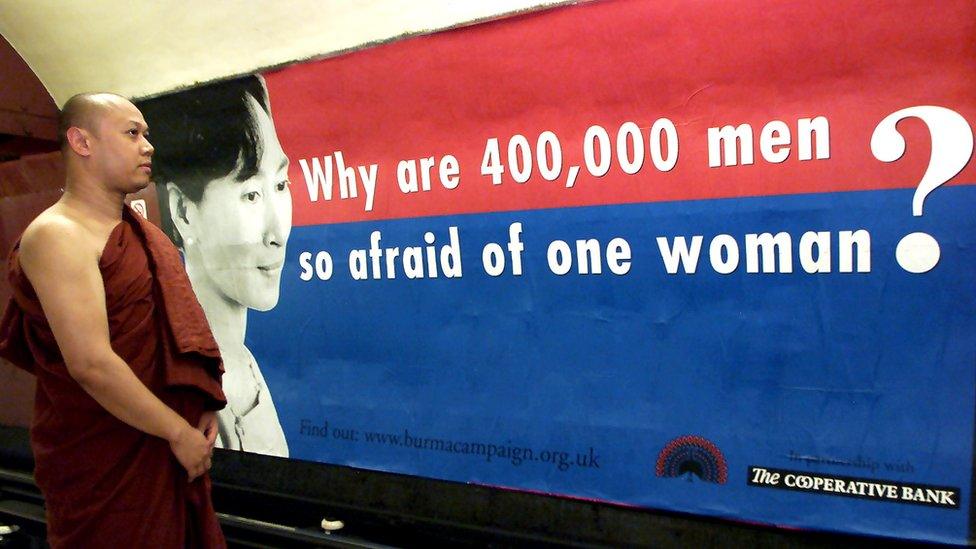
687, 256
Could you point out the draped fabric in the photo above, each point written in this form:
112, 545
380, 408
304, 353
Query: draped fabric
105, 483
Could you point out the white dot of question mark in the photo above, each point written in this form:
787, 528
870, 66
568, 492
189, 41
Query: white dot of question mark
917, 253
952, 146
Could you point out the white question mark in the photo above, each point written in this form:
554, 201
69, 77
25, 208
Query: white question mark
952, 146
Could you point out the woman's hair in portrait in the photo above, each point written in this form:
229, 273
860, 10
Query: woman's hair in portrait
201, 135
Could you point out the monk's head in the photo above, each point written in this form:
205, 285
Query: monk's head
104, 138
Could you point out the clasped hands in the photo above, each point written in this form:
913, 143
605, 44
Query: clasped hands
193, 448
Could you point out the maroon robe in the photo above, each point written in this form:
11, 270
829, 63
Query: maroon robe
107, 484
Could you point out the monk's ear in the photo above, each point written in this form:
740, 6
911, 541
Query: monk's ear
79, 140
181, 211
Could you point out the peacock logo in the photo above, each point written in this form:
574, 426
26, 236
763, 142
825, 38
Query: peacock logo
692, 456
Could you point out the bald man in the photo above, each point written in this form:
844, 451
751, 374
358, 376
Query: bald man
128, 374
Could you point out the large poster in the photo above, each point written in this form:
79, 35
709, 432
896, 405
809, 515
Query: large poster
692, 256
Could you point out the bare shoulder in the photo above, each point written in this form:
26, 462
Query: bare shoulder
56, 236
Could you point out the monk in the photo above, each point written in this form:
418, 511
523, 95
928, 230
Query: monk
128, 373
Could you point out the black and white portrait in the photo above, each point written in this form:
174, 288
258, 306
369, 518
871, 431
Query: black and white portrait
222, 181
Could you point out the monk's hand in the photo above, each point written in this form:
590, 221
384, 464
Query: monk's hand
208, 426
192, 450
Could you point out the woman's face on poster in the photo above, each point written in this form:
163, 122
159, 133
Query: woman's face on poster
240, 228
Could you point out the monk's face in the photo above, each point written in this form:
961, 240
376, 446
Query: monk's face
121, 152
239, 229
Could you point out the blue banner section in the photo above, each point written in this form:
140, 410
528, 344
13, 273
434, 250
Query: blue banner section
638, 385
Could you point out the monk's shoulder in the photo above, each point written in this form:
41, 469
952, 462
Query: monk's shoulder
54, 236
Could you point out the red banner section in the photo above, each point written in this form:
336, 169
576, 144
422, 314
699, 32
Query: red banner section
539, 111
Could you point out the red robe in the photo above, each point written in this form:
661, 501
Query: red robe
105, 483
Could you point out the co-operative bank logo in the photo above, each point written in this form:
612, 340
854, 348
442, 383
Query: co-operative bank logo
692, 456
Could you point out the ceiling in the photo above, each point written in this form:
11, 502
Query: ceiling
140, 49
53, 49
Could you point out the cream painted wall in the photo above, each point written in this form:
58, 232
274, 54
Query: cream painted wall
141, 47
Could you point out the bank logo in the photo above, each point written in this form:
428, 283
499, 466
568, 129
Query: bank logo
947, 497
692, 456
